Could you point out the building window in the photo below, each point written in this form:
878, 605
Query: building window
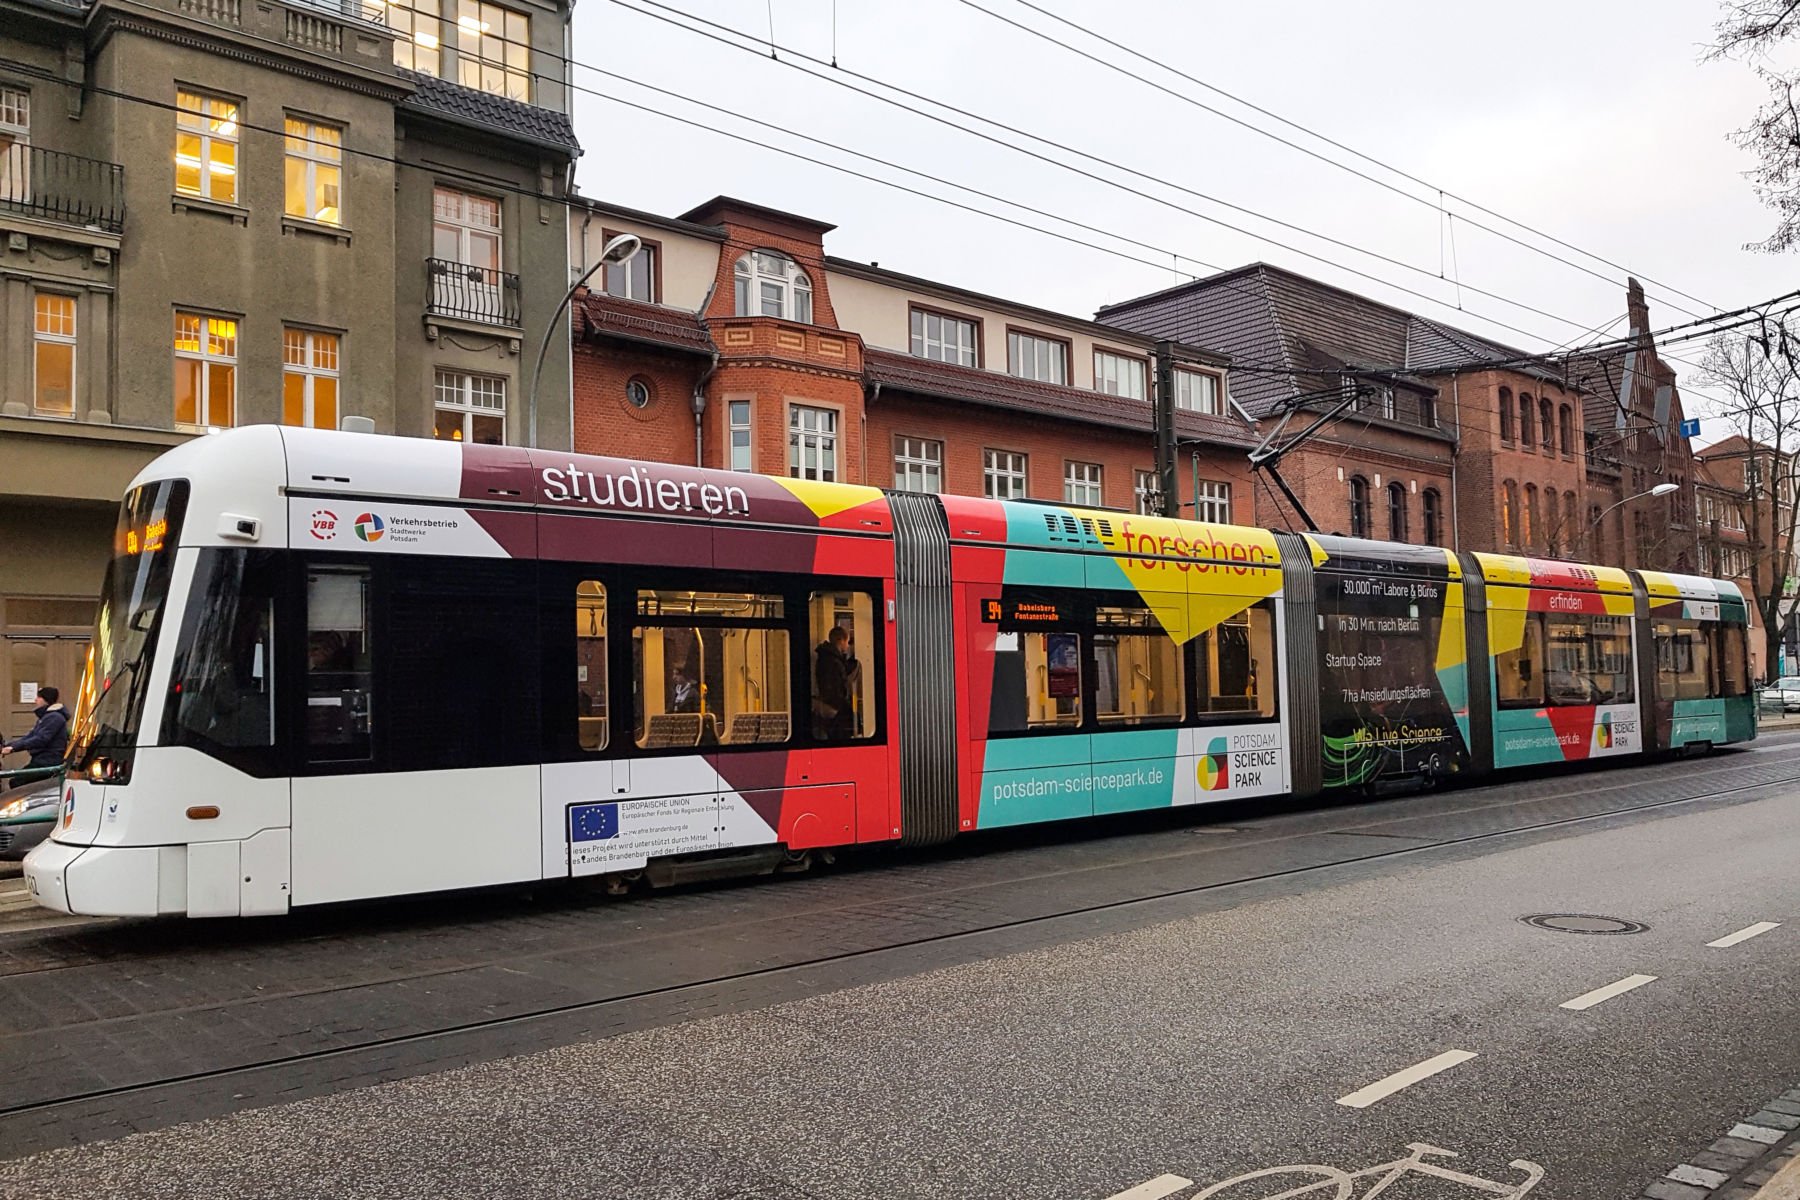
1509, 514
466, 229
1117, 375
1396, 496
15, 138
53, 355
1081, 484
1594, 527
1379, 400
1552, 533
493, 49
1531, 527
742, 455
1565, 428
1359, 506
1002, 475
637, 392
315, 157
943, 338
1431, 506
1146, 490
772, 285
309, 378
634, 279
417, 26
206, 147
1547, 425
1506, 414
1198, 391
1212, 502
470, 408
1031, 357
205, 370
812, 442
1571, 534
918, 464
1428, 410
1527, 430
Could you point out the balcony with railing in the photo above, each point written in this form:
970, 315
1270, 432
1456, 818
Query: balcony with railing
336, 28
67, 189
467, 292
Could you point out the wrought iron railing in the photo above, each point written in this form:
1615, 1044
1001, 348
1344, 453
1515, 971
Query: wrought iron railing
472, 293
66, 188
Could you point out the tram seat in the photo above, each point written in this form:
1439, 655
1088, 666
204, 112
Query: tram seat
668, 730
758, 727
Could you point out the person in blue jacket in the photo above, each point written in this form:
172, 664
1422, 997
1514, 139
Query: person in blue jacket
49, 738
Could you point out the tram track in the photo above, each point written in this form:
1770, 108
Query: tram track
1783, 758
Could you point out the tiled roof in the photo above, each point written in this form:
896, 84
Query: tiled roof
972, 385
471, 106
600, 315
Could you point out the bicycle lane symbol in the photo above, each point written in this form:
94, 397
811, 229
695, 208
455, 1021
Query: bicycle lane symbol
1318, 1182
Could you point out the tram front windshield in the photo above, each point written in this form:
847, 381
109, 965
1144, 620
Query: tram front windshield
131, 603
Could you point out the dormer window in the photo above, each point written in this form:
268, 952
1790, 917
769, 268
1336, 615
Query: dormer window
772, 285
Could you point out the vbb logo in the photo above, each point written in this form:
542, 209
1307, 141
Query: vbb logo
370, 527
324, 524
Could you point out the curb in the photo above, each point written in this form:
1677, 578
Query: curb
1757, 1159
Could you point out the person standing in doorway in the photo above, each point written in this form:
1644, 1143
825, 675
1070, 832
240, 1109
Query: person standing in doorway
49, 737
835, 674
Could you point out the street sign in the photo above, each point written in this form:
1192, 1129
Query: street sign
1690, 427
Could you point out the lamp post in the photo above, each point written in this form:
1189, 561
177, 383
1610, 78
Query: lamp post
618, 251
1661, 489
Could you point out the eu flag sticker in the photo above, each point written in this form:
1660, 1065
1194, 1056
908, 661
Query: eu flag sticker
593, 822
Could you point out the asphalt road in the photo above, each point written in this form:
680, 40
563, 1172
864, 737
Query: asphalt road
1161, 1031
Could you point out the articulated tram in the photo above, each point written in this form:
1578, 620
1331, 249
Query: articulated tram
331, 666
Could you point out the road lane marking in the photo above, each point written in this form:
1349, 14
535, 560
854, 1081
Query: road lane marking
1600, 995
1154, 1189
1745, 934
1383, 1088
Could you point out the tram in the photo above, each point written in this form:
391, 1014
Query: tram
331, 666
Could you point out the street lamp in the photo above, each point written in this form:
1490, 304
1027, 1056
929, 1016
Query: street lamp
1661, 489
617, 252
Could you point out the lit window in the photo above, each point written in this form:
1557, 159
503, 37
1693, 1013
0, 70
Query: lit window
812, 442
1003, 474
943, 338
1212, 503
742, 458
772, 285
53, 363
1043, 359
470, 408
1117, 375
712, 669
206, 147
417, 26
493, 49
634, 279
918, 464
590, 664
309, 378
1197, 391
1147, 492
315, 170
1081, 484
205, 370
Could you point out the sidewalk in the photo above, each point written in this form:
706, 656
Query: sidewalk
1757, 1159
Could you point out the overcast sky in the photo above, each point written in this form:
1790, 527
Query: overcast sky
1592, 121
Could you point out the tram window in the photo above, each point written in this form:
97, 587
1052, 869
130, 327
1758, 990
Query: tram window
1234, 665
1587, 659
1037, 682
339, 714
1137, 669
1684, 667
223, 681
1520, 671
1734, 660
590, 664
843, 681
710, 669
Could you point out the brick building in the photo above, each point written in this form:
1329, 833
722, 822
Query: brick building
1744, 513
733, 340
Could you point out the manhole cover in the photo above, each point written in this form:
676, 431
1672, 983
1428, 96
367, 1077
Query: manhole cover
1583, 923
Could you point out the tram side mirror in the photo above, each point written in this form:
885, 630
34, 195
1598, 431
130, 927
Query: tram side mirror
239, 528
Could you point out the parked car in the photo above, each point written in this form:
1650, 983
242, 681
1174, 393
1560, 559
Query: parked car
1783, 695
28, 814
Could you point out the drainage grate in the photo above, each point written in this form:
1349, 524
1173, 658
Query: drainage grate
1583, 923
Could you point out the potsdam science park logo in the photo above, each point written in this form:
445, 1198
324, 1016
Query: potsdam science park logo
1603, 733
369, 527
1214, 769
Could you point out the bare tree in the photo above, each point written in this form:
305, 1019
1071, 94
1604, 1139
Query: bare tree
1751, 30
1759, 385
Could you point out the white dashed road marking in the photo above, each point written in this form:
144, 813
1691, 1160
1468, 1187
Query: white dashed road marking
1600, 995
1744, 934
1154, 1189
1383, 1088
